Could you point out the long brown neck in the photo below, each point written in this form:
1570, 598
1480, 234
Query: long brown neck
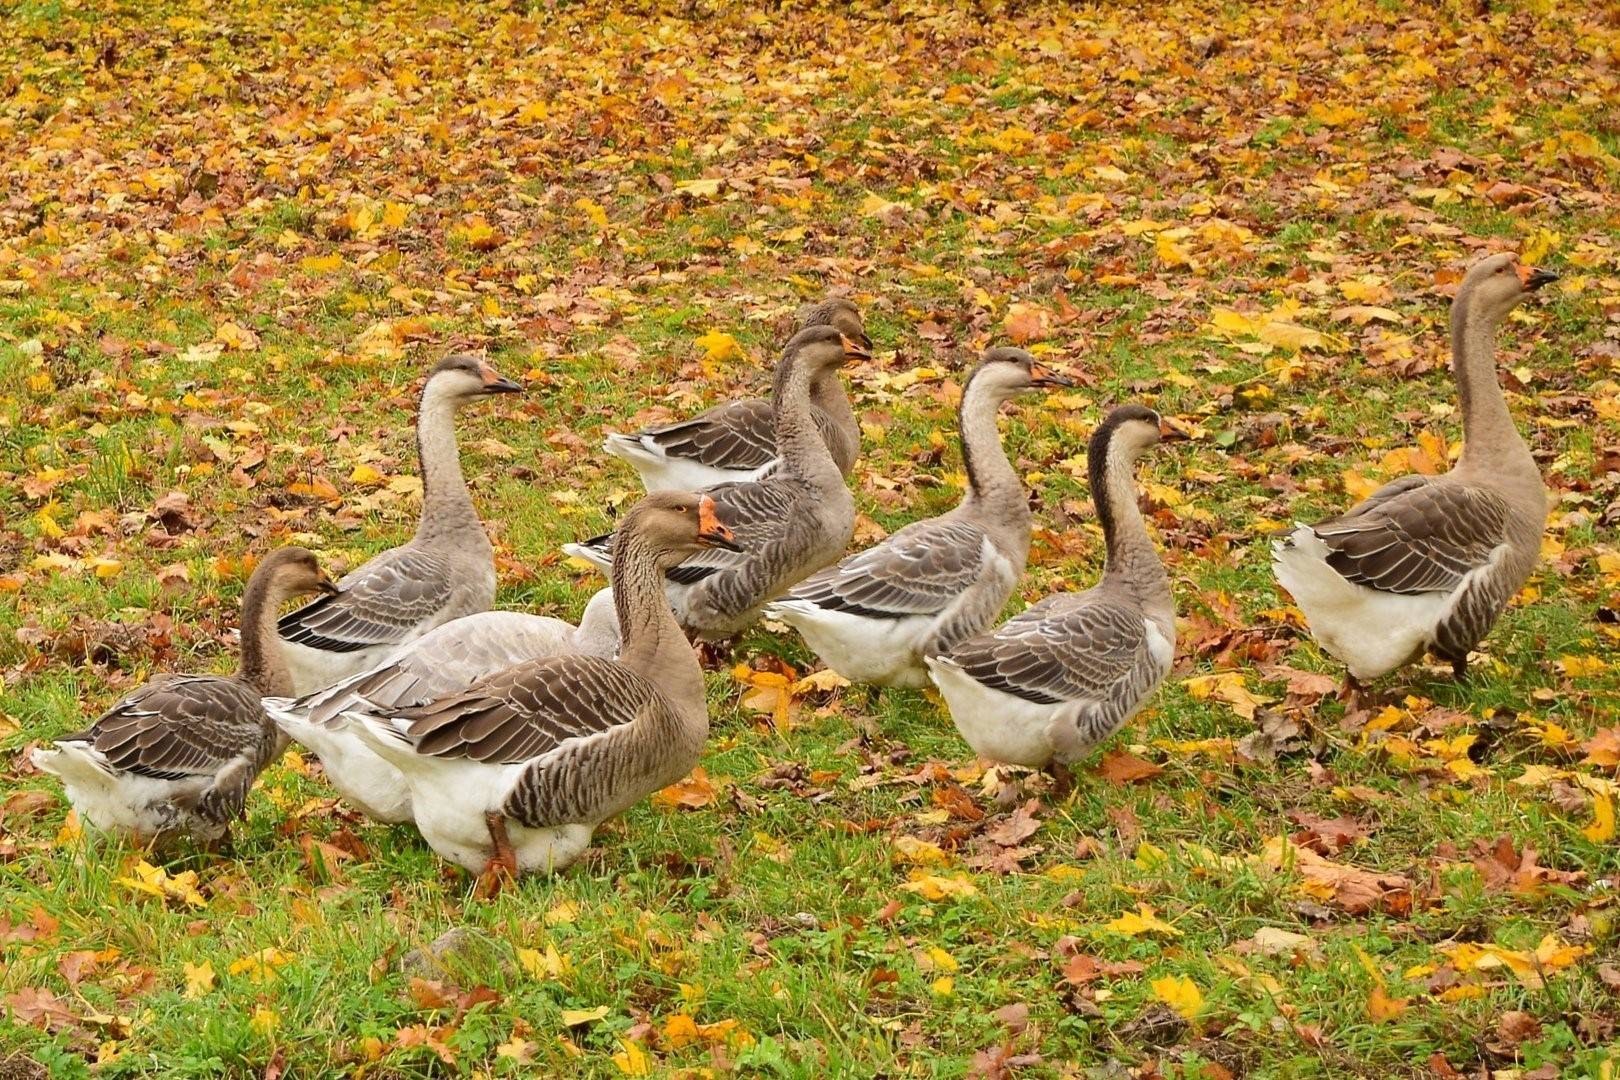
653, 645
447, 508
994, 493
263, 665
803, 451
1491, 443
828, 394
1131, 561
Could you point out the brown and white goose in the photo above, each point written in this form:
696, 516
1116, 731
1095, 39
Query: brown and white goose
516, 771
736, 441
1048, 685
446, 571
1429, 562
790, 524
177, 757
443, 661
874, 616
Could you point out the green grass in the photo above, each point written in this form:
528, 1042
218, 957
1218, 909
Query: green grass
798, 911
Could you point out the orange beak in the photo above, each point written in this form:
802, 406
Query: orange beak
1041, 375
710, 530
326, 585
496, 383
855, 350
1170, 432
1532, 277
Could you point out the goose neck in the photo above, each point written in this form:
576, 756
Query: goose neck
1130, 560
651, 641
263, 663
1491, 443
994, 489
799, 441
446, 505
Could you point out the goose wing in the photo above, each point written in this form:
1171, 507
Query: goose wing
1066, 648
920, 570
447, 658
528, 711
178, 727
738, 435
1416, 537
380, 603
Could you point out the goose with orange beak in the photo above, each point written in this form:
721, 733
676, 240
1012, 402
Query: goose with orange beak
514, 773
874, 616
790, 524
1428, 563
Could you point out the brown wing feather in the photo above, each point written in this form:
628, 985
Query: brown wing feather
1417, 538
180, 726
530, 710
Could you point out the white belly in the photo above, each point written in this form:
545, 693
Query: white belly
1371, 632
659, 472
124, 803
370, 784
879, 652
452, 801
999, 726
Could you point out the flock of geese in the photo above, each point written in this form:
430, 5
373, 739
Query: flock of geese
506, 737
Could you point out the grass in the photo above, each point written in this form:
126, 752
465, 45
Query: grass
840, 906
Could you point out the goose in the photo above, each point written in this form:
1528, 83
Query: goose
1429, 562
176, 757
790, 524
446, 571
515, 772
875, 615
445, 660
736, 441
1048, 685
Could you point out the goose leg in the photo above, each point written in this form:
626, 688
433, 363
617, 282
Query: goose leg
502, 865
1062, 780
1009, 792
1354, 694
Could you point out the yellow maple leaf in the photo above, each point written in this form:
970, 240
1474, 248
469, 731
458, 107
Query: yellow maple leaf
199, 978
1227, 686
706, 188
1141, 921
593, 210
544, 964
718, 346
365, 474
260, 966
632, 1060
1601, 831
937, 887
1578, 667
577, 1017
1180, 993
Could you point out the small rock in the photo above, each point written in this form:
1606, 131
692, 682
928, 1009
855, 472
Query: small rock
458, 949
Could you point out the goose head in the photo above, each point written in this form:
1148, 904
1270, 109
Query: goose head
1496, 284
1008, 372
676, 525
291, 571
840, 314
1132, 430
462, 376
821, 349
